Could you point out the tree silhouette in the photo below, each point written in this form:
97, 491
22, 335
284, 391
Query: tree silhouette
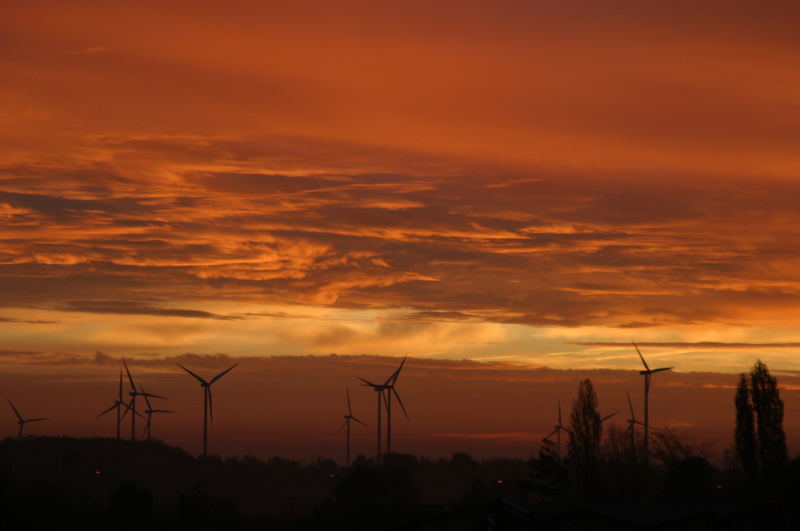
768, 408
745, 434
759, 436
584, 436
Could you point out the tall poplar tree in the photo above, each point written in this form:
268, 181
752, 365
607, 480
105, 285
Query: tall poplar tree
745, 435
759, 436
768, 408
584, 436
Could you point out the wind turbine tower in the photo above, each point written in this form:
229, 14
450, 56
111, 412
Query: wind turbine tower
118, 404
647, 373
208, 403
632, 422
133, 394
149, 424
557, 429
390, 388
382, 390
347, 419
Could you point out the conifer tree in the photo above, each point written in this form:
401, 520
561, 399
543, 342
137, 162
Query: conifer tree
745, 435
584, 436
768, 408
759, 437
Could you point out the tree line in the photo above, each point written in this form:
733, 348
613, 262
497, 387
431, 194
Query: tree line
610, 466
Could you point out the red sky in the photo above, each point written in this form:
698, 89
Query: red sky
515, 181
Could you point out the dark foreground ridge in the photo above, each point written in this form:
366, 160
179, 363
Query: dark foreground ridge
97, 483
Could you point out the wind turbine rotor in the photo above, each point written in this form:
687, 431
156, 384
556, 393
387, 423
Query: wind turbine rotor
201, 380
130, 377
223, 373
393, 390
112, 408
639, 352
14, 408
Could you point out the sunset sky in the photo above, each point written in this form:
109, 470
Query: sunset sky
509, 192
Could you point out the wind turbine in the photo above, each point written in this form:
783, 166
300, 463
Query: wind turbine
379, 389
558, 428
631, 429
150, 411
347, 419
390, 383
21, 421
118, 403
208, 404
602, 420
647, 373
132, 406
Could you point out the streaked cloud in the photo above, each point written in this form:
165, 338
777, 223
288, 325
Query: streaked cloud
296, 180
705, 345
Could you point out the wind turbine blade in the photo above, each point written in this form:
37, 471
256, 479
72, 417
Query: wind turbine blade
146, 399
342, 426
607, 417
193, 374
355, 419
151, 395
630, 404
15, 409
109, 409
210, 405
396, 373
349, 406
120, 385
392, 390
367, 382
37, 419
646, 366
147, 424
133, 385
129, 408
223, 373
551, 434
161, 411
661, 369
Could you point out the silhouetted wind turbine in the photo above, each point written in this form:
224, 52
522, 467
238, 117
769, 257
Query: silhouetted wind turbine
118, 404
379, 390
558, 428
22, 421
647, 373
347, 419
150, 411
390, 388
132, 406
602, 420
208, 404
632, 422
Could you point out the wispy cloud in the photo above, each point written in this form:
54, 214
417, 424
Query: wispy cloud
704, 345
140, 308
